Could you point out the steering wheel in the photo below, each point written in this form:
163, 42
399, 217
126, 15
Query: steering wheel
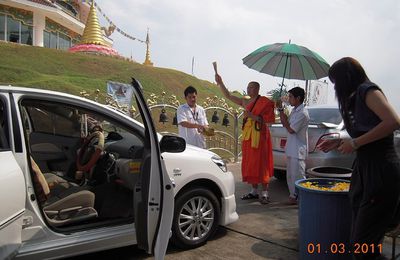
89, 153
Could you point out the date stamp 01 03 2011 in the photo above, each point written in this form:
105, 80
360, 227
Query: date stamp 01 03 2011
342, 248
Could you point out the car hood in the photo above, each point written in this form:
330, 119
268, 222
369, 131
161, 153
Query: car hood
192, 160
194, 152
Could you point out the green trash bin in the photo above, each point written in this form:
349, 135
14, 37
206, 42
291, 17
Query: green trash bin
324, 221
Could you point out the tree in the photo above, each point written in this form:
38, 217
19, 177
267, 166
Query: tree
276, 93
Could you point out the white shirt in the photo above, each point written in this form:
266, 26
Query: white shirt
297, 143
195, 115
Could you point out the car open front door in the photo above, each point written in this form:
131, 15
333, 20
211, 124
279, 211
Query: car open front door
12, 189
154, 198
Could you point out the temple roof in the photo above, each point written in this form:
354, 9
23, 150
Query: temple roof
43, 2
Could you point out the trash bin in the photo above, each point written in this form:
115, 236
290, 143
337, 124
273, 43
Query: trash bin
324, 221
329, 172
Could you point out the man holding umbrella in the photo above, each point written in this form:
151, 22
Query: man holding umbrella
297, 139
291, 61
257, 161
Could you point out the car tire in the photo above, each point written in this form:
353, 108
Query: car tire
280, 174
187, 236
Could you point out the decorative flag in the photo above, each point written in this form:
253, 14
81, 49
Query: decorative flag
317, 93
121, 93
118, 29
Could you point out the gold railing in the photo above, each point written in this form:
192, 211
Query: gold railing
223, 118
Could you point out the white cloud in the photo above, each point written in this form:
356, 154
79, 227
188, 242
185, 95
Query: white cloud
228, 30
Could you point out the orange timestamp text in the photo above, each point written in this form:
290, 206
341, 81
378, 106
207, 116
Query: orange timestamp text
342, 248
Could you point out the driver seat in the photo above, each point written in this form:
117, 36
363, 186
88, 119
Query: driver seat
62, 202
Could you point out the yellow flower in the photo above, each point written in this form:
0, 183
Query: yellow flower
338, 186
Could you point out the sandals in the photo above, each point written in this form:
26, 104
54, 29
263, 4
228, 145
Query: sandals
264, 200
249, 196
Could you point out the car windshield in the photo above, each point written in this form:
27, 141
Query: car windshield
325, 115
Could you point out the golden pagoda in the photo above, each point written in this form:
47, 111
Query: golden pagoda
147, 61
92, 39
92, 33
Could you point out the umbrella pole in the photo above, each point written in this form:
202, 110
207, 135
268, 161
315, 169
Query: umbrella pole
280, 91
307, 94
284, 73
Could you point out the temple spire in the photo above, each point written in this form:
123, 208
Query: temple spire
92, 40
92, 33
147, 61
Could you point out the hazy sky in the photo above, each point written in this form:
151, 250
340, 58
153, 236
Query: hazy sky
227, 30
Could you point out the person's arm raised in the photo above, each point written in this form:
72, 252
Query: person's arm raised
225, 91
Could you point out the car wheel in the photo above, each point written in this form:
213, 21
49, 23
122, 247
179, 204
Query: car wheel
280, 174
196, 218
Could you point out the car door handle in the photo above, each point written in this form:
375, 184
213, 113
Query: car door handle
153, 204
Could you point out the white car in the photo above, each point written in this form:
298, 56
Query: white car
325, 122
79, 177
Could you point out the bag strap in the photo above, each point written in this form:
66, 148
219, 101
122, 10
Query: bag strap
245, 118
254, 104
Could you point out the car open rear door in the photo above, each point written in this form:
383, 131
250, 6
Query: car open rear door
154, 197
12, 190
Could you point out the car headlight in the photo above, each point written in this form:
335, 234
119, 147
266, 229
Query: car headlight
218, 161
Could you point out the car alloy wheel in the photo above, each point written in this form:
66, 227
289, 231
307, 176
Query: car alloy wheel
196, 217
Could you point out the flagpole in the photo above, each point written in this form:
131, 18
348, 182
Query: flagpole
192, 65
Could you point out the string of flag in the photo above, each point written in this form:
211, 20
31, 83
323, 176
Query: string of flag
116, 28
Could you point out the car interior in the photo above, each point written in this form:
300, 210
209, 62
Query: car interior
84, 166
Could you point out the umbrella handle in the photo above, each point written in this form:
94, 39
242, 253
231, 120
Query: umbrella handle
280, 91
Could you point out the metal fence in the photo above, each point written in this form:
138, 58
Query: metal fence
227, 139
227, 134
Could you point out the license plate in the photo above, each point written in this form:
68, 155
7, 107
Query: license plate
283, 143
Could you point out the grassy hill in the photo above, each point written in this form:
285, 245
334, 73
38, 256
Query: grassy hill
45, 68
29, 66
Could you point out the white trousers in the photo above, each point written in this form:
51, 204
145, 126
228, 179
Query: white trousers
295, 170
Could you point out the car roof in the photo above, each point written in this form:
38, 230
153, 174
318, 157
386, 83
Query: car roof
323, 107
34, 90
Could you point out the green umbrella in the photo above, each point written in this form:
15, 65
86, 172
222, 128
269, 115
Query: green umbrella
287, 60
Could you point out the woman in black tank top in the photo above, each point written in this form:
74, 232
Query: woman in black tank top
375, 183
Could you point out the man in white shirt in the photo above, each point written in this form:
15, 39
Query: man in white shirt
297, 139
192, 119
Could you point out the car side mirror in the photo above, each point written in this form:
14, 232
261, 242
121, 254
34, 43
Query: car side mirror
172, 144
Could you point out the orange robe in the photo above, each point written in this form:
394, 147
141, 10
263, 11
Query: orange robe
257, 160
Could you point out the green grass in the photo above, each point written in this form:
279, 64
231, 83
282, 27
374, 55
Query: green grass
29, 66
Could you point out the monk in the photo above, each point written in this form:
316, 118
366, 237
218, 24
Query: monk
257, 160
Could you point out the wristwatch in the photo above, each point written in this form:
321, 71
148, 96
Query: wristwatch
353, 144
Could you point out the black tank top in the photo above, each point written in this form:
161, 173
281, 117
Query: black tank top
361, 118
